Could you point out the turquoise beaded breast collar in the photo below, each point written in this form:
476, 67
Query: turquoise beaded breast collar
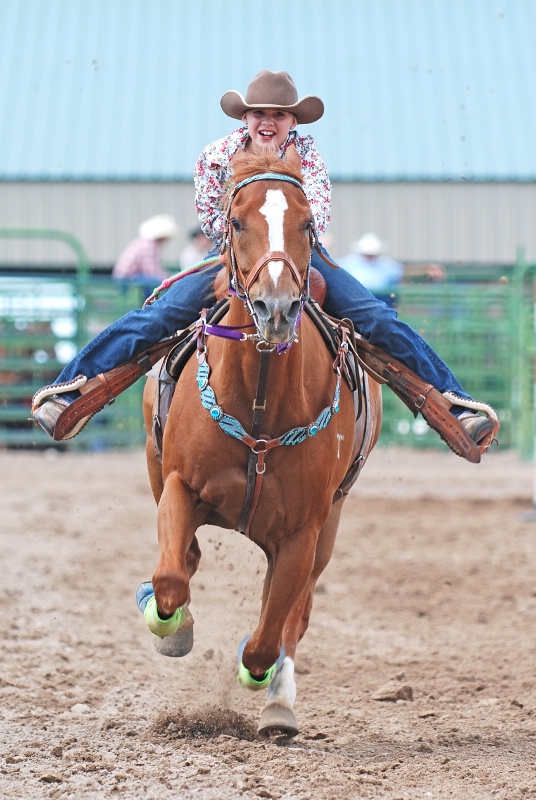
259, 444
232, 427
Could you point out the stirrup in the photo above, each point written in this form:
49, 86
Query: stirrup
478, 406
57, 388
51, 421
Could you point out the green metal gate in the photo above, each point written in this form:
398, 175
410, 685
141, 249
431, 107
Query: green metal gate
473, 328
483, 328
44, 320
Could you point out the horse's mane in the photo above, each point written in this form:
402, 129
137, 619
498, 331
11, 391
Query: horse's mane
246, 164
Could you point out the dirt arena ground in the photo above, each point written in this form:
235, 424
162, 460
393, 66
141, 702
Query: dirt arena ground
430, 596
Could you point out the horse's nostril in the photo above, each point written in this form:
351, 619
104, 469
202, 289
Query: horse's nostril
294, 309
261, 309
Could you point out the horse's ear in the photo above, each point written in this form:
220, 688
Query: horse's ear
293, 158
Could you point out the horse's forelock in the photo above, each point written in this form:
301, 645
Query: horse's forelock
246, 165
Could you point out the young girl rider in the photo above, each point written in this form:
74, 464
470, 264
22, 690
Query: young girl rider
269, 114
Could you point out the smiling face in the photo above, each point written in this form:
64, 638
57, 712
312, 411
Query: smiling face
268, 127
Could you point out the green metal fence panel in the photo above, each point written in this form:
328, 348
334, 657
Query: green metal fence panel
484, 329
120, 424
46, 318
30, 346
44, 321
47, 234
472, 327
523, 359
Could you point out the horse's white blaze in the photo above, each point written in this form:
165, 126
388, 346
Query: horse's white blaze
273, 210
282, 689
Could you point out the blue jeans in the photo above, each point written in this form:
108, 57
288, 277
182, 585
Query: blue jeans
184, 300
146, 284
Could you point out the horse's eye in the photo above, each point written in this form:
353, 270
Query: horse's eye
309, 225
236, 225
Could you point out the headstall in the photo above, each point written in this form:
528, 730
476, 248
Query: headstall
240, 287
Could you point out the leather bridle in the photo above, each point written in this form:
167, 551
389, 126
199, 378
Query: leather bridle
240, 284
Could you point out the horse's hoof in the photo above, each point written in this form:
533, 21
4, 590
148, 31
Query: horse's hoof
180, 643
278, 720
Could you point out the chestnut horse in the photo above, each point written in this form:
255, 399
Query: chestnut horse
299, 447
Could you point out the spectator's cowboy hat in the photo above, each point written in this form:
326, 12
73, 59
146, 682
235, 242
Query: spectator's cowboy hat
273, 90
161, 226
369, 244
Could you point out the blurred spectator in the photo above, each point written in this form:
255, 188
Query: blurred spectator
327, 241
196, 251
378, 272
140, 262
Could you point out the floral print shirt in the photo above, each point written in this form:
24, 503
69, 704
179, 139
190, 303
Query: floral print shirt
214, 169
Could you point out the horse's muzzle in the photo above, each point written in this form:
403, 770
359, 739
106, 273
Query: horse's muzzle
276, 318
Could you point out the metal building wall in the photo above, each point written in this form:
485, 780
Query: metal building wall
104, 217
450, 222
467, 223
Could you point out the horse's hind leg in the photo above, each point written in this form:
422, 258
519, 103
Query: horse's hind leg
154, 467
278, 715
298, 619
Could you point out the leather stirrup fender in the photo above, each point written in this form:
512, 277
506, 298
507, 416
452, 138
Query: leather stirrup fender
423, 398
102, 390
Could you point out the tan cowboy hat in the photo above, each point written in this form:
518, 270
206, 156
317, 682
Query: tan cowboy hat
273, 90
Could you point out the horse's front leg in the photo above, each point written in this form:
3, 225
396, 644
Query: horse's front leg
278, 713
176, 532
291, 564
